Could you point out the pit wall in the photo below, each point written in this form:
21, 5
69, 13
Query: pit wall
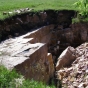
73, 36
23, 23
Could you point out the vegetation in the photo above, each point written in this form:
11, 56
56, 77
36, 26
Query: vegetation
82, 5
6, 77
10, 5
11, 79
34, 84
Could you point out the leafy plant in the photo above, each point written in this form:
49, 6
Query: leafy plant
82, 5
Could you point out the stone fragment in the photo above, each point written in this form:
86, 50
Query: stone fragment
51, 65
66, 58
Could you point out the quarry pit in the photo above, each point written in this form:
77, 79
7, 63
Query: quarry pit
32, 42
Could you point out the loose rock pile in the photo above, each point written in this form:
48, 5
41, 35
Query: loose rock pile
76, 76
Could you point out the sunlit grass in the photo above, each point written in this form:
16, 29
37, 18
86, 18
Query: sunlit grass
10, 5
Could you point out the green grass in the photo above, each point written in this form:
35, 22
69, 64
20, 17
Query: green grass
6, 77
34, 84
10, 5
8, 80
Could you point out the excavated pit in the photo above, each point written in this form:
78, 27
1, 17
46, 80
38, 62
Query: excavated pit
56, 30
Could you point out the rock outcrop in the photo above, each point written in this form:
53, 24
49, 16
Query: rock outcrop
28, 54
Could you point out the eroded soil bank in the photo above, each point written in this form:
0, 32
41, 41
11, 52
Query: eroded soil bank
53, 32
23, 23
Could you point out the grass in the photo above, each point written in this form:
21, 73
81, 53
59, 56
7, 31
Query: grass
34, 84
10, 5
11, 79
6, 77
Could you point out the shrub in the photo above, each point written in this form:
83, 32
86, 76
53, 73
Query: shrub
82, 5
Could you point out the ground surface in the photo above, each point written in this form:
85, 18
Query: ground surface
10, 5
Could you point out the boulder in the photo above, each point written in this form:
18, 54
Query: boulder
66, 58
28, 54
